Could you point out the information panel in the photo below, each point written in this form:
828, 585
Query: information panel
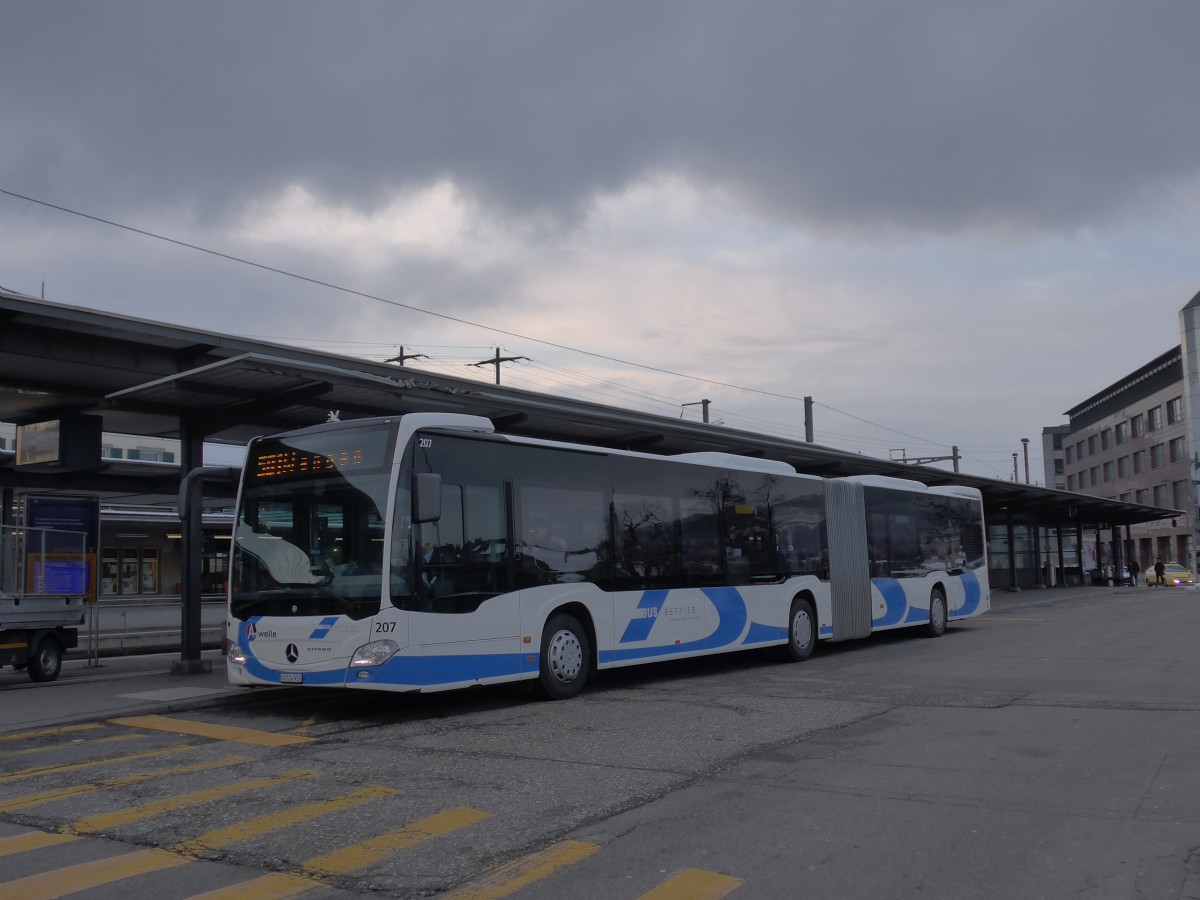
56, 567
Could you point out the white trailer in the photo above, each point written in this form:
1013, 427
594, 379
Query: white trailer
43, 578
35, 632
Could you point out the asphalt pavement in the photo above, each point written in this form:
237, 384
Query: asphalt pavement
116, 686
160, 683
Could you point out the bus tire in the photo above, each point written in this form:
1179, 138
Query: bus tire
566, 660
802, 630
938, 614
45, 657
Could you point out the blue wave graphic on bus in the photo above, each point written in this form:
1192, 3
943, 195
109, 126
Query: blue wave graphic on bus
450, 669
731, 622
323, 628
898, 612
896, 602
639, 627
760, 634
970, 583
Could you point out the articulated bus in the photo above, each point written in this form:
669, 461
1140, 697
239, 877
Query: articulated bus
428, 552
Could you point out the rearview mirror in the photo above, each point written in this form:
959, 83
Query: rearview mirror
427, 497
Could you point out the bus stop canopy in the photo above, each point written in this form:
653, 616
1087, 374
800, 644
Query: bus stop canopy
148, 378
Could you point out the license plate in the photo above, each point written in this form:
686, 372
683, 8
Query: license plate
291, 678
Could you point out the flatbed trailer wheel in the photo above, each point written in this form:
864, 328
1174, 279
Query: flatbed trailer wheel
45, 656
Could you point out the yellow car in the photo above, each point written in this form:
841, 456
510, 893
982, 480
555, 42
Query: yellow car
1173, 574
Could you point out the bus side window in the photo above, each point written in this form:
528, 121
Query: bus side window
646, 538
562, 534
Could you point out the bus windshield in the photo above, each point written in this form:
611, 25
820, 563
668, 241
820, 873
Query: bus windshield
309, 535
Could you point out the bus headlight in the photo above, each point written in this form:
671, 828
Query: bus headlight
235, 654
375, 653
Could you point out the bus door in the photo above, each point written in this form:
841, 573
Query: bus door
465, 616
659, 607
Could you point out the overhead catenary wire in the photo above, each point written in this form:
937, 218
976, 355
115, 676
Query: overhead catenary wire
444, 316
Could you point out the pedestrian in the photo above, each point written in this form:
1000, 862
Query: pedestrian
1160, 571
1134, 568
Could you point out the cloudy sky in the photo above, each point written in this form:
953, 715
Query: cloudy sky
947, 222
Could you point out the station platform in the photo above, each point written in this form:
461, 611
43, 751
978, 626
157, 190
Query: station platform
117, 686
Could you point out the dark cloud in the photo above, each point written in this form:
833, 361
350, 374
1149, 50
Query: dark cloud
927, 115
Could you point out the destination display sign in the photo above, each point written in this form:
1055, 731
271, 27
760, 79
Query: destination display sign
320, 455
295, 462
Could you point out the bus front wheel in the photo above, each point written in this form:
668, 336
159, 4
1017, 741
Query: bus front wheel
802, 630
937, 614
566, 661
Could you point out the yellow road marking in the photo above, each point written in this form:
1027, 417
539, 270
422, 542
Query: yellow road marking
42, 732
88, 875
217, 732
104, 740
71, 767
511, 877
694, 884
240, 831
32, 840
357, 856
276, 886
371, 851
169, 804
31, 800
308, 723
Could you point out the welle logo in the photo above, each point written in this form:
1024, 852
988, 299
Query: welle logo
252, 632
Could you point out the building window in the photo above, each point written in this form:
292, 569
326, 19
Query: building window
1137, 425
1160, 496
1058, 467
1079, 450
1154, 418
1122, 432
1106, 440
1139, 462
1092, 445
1070, 482
1110, 471
1180, 491
1123, 467
1056, 441
1174, 410
1178, 450
1094, 475
1158, 456
1070, 454
1143, 497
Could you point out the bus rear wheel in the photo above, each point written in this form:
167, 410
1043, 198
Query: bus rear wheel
566, 661
802, 630
937, 614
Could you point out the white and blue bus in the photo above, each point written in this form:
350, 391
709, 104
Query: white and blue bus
428, 552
